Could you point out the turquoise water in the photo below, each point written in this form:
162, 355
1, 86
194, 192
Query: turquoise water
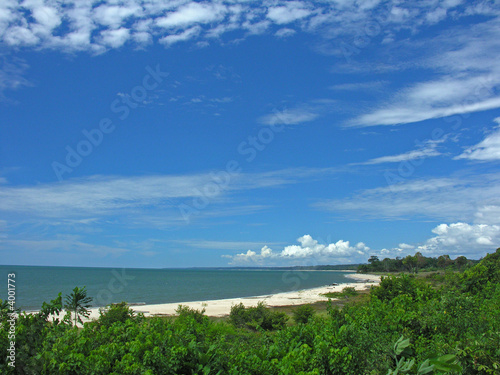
35, 285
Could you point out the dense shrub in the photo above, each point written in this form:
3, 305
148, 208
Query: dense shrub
303, 314
116, 312
257, 317
457, 326
393, 286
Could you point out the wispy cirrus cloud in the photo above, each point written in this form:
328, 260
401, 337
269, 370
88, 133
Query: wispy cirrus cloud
68, 245
468, 80
223, 245
461, 198
359, 86
486, 150
12, 72
293, 116
427, 150
111, 195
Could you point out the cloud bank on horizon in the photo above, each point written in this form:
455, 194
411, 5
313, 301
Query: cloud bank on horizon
385, 133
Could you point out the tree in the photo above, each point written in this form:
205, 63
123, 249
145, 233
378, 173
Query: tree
410, 262
420, 260
444, 261
78, 303
461, 261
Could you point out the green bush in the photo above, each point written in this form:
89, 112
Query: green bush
457, 326
346, 293
116, 312
185, 312
303, 314
257, 317
392, 286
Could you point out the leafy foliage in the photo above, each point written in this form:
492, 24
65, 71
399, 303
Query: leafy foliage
116, 312
78, 303
258, 317
415, 263
405, 327
303, 314
346, 292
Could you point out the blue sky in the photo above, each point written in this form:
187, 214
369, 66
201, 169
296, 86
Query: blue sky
178, 133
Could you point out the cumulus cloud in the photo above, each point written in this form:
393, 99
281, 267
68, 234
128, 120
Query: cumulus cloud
115, 38
462, 239
487, 150
309, 250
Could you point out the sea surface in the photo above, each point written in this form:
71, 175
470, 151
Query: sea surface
35, 285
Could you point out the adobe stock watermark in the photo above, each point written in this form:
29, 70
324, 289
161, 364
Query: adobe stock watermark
220, 181
12, 320
93, 138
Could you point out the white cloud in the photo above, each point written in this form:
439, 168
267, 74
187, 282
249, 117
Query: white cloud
181, 37
47, 16
114, 16
415, 110
461, 198
359, 86
486, 150
70, 244
292, 11
256, 28
455, 239
192, 13
289, 117
462, 239
428, 150
309, 250
19, 35
12, 73
284, 33
100, 195
468, 79
82, 20
223, 245
115, 38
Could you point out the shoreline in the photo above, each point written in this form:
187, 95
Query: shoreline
222, 307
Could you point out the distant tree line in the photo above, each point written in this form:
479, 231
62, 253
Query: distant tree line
415, 263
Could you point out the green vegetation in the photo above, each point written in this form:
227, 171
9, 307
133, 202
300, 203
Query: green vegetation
346, 292
256, 318
415, 263
443, 324
78, 303
303, 314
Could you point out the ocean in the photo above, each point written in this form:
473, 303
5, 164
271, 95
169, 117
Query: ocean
35, 285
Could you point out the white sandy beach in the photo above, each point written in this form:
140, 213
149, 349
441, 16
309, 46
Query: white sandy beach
222, 307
